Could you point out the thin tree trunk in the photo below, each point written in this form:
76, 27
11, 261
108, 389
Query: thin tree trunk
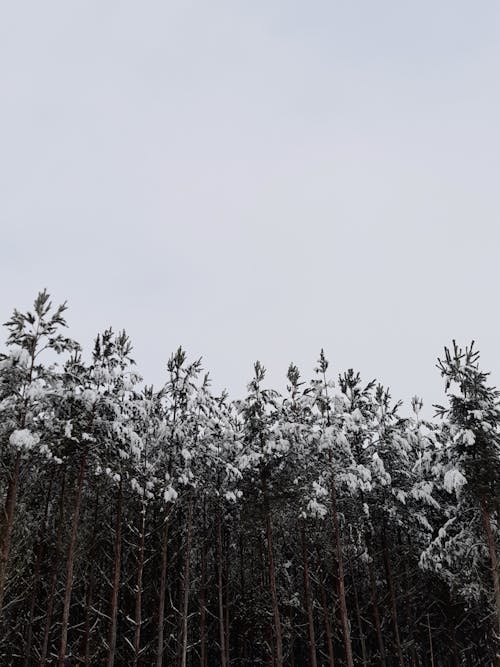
163, 588
138, 591
392, 595
85, 651
7, 525
364, 656
203, 590
116, 578
451, 622
186, 585
307, 596
272, 576
225, 580
53, 575
431, 650
494, 568
242, 634
410, 604
36, 574
222, 631
376, 615
90, 588
328, 628
71, 562
342, 599
203, 603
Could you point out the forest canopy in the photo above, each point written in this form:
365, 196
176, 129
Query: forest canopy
172, 525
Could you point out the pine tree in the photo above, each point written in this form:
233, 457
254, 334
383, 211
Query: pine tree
474, 443
175, 526
28, 381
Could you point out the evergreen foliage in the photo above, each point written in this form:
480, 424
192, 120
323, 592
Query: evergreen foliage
147, 526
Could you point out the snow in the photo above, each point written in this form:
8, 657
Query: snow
469, 437
170, 495
454, 481
316, 509
319, 490
23, 439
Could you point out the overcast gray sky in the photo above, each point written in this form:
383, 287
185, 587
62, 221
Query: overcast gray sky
257, 179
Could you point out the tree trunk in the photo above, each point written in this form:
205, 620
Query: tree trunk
376, 615
431, 650
138, 591
163, 589
203, 602
53, 575
225, 584
203, 590
186, 584
36, 574
451, 623
409, 602
392, 595
328, 628
494, 569
71, 561
242, 626
222, 631
291, 648
7, 525
272, 575
85, 651
116, 578
364, 656
342, 600
89, 595
307, 596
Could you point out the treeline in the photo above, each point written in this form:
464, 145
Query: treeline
172, 526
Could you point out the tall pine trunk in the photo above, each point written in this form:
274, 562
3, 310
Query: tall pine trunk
278, 641
70, 563
186, 584
392, 597
89, 593
89, 598
7, 525
116, 578
39, 551
242, 645
431, 649
163, 589
203, 601
376, 614
307, 595
344, 619
359, 619
291, 648
138, 590
494, 568
227, 606
53, 575
328, 627
220, 591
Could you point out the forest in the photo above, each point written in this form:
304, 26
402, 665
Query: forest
316, 526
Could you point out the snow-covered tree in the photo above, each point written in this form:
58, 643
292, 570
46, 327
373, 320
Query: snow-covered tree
326, 525
469, 463
26, 379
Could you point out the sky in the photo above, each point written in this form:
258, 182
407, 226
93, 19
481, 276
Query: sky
257, 180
